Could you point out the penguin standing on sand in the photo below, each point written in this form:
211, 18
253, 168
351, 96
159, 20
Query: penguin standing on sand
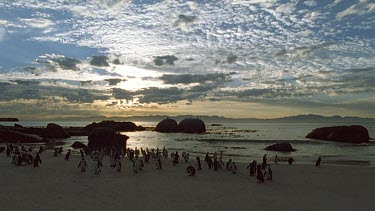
83, 165
216, 164
159, 164
233, 168
135, 165
260, 175
37, 160
68, 155
118, 165
252, 167
317, 164
97, 167
55, 153
199, 163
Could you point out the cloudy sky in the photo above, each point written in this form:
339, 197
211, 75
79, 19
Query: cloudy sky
233, 58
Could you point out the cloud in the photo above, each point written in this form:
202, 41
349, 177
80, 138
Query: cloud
184, 21
2, 34
161, 60
302, 51
37, 22
189, 79
68, 63
361, 8
99, 61
114, 81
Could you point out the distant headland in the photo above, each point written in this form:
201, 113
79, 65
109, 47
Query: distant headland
308, 118
8, 119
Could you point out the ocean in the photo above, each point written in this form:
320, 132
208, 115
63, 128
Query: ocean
244, 142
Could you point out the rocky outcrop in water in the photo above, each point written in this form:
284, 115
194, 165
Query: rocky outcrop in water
167, 126
191, 126
54, 131
280, 147
10, 136
116, 126
78, 145
346, 134
103, 137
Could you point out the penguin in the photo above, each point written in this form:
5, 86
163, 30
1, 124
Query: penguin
215, 164
55, 153
317, 164
37, 160
83, 165
199, 163
260, 176
68, 155
118, 165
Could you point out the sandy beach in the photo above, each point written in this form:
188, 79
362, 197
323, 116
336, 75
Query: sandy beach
59, 185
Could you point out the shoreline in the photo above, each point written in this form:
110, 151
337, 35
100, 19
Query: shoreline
58, 185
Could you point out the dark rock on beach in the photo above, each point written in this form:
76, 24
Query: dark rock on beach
192, 126
103, 137
281, 147
77, 145
116, 126
10, 136
54, 131
167, 126
346, 134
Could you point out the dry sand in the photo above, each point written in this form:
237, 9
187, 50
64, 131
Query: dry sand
59, 185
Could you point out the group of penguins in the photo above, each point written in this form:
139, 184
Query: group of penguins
262, 172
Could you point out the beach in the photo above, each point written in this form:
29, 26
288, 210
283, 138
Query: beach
59, 185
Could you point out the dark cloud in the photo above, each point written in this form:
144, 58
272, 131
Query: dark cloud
231, 59
184, 19
83, 96
161, 60
26, 82
160, 96
68, 63
120, 94
303, 50
99, 61
114, 81
189, 78
28, 90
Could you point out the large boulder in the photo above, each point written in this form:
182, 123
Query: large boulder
103, 137
116, 126
54, 131
281, 147
191, 126
167, 126
347, 134
10, 136
78, 145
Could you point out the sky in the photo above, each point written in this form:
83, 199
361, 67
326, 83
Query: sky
232, 58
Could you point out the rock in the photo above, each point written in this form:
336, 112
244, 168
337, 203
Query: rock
167, 126
10, 136
116, 126
346, 134
18, 125
191, 126
106, 137
54, 131
281, 147
78, 145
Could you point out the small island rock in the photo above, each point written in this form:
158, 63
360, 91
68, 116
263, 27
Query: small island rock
281, 147
78, 145
346, 134
54, 131
167, 126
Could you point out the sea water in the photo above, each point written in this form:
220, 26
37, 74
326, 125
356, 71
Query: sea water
243, 142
